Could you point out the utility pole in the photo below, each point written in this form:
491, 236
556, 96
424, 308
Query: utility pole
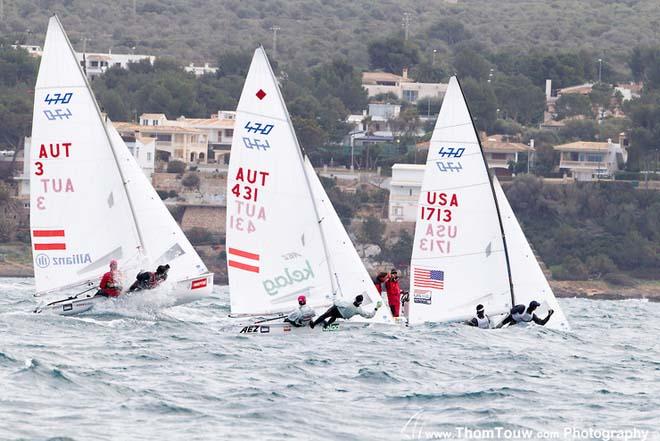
600, 69
406, 24
275, 29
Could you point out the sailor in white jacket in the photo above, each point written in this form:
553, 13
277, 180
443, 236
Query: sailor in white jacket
343, 309
301, 316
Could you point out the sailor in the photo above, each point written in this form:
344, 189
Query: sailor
481, 320
393, 292
519, 314
343, 309
379, 280
110, 285
149, 280
301, 316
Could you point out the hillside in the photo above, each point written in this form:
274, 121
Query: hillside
311, 31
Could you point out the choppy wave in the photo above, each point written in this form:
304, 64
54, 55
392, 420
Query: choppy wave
183, 373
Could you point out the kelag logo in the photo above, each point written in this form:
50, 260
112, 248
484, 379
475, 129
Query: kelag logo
42, 260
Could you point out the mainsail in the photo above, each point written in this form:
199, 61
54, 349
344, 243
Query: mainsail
89, 201
528, 278
459, 256
284, 238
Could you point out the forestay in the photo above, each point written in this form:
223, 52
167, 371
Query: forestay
528, 279
80, 215
458, 258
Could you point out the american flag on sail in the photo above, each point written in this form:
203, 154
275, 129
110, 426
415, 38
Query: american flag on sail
429, 278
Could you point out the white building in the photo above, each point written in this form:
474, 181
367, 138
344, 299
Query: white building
200, 70
143, 149
588, 161
405, 187
96, 63
377, 83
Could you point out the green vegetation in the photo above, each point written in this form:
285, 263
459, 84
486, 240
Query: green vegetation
313, 31
590, 230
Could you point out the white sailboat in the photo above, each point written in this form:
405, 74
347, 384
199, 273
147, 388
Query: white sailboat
468, 247
284, 238
89, 200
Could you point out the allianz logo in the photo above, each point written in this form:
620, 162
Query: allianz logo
288, 278
44, 261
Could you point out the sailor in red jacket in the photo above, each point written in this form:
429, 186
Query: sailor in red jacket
110, 285
379, 280
393, 292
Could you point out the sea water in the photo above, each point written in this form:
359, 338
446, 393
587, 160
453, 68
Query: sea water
184, 373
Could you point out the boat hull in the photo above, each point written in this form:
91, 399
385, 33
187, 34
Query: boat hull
182, 292
273, 329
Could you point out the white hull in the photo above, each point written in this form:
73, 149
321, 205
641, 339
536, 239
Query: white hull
278, 328
184, 291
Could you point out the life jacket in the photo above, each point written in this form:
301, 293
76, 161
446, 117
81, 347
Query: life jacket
483, 323
519, 314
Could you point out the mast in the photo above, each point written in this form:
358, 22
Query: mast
301, 157
107, 136
492, 189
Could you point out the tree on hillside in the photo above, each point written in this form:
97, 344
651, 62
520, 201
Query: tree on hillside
469, 63
579, 130
573, 104
392, 54
519, 98
482, 102
339, 79
449, 30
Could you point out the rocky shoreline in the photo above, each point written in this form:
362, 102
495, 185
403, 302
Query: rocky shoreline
599, 290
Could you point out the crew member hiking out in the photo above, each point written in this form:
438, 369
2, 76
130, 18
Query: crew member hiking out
393, 293
110, 285
301, 316
149, 280
519, 314
481, 320
344, 309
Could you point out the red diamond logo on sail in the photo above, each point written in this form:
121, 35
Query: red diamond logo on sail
41, 239
261, 94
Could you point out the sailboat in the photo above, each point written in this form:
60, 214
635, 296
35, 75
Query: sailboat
469, 248
89, 200
284, 238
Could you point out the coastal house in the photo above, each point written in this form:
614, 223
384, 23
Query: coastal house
200, 70
405, 187
180, 143
588, 161
501, 150
403, 87
219, 129
143, 149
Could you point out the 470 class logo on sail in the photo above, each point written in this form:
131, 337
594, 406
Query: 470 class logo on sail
450, 166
